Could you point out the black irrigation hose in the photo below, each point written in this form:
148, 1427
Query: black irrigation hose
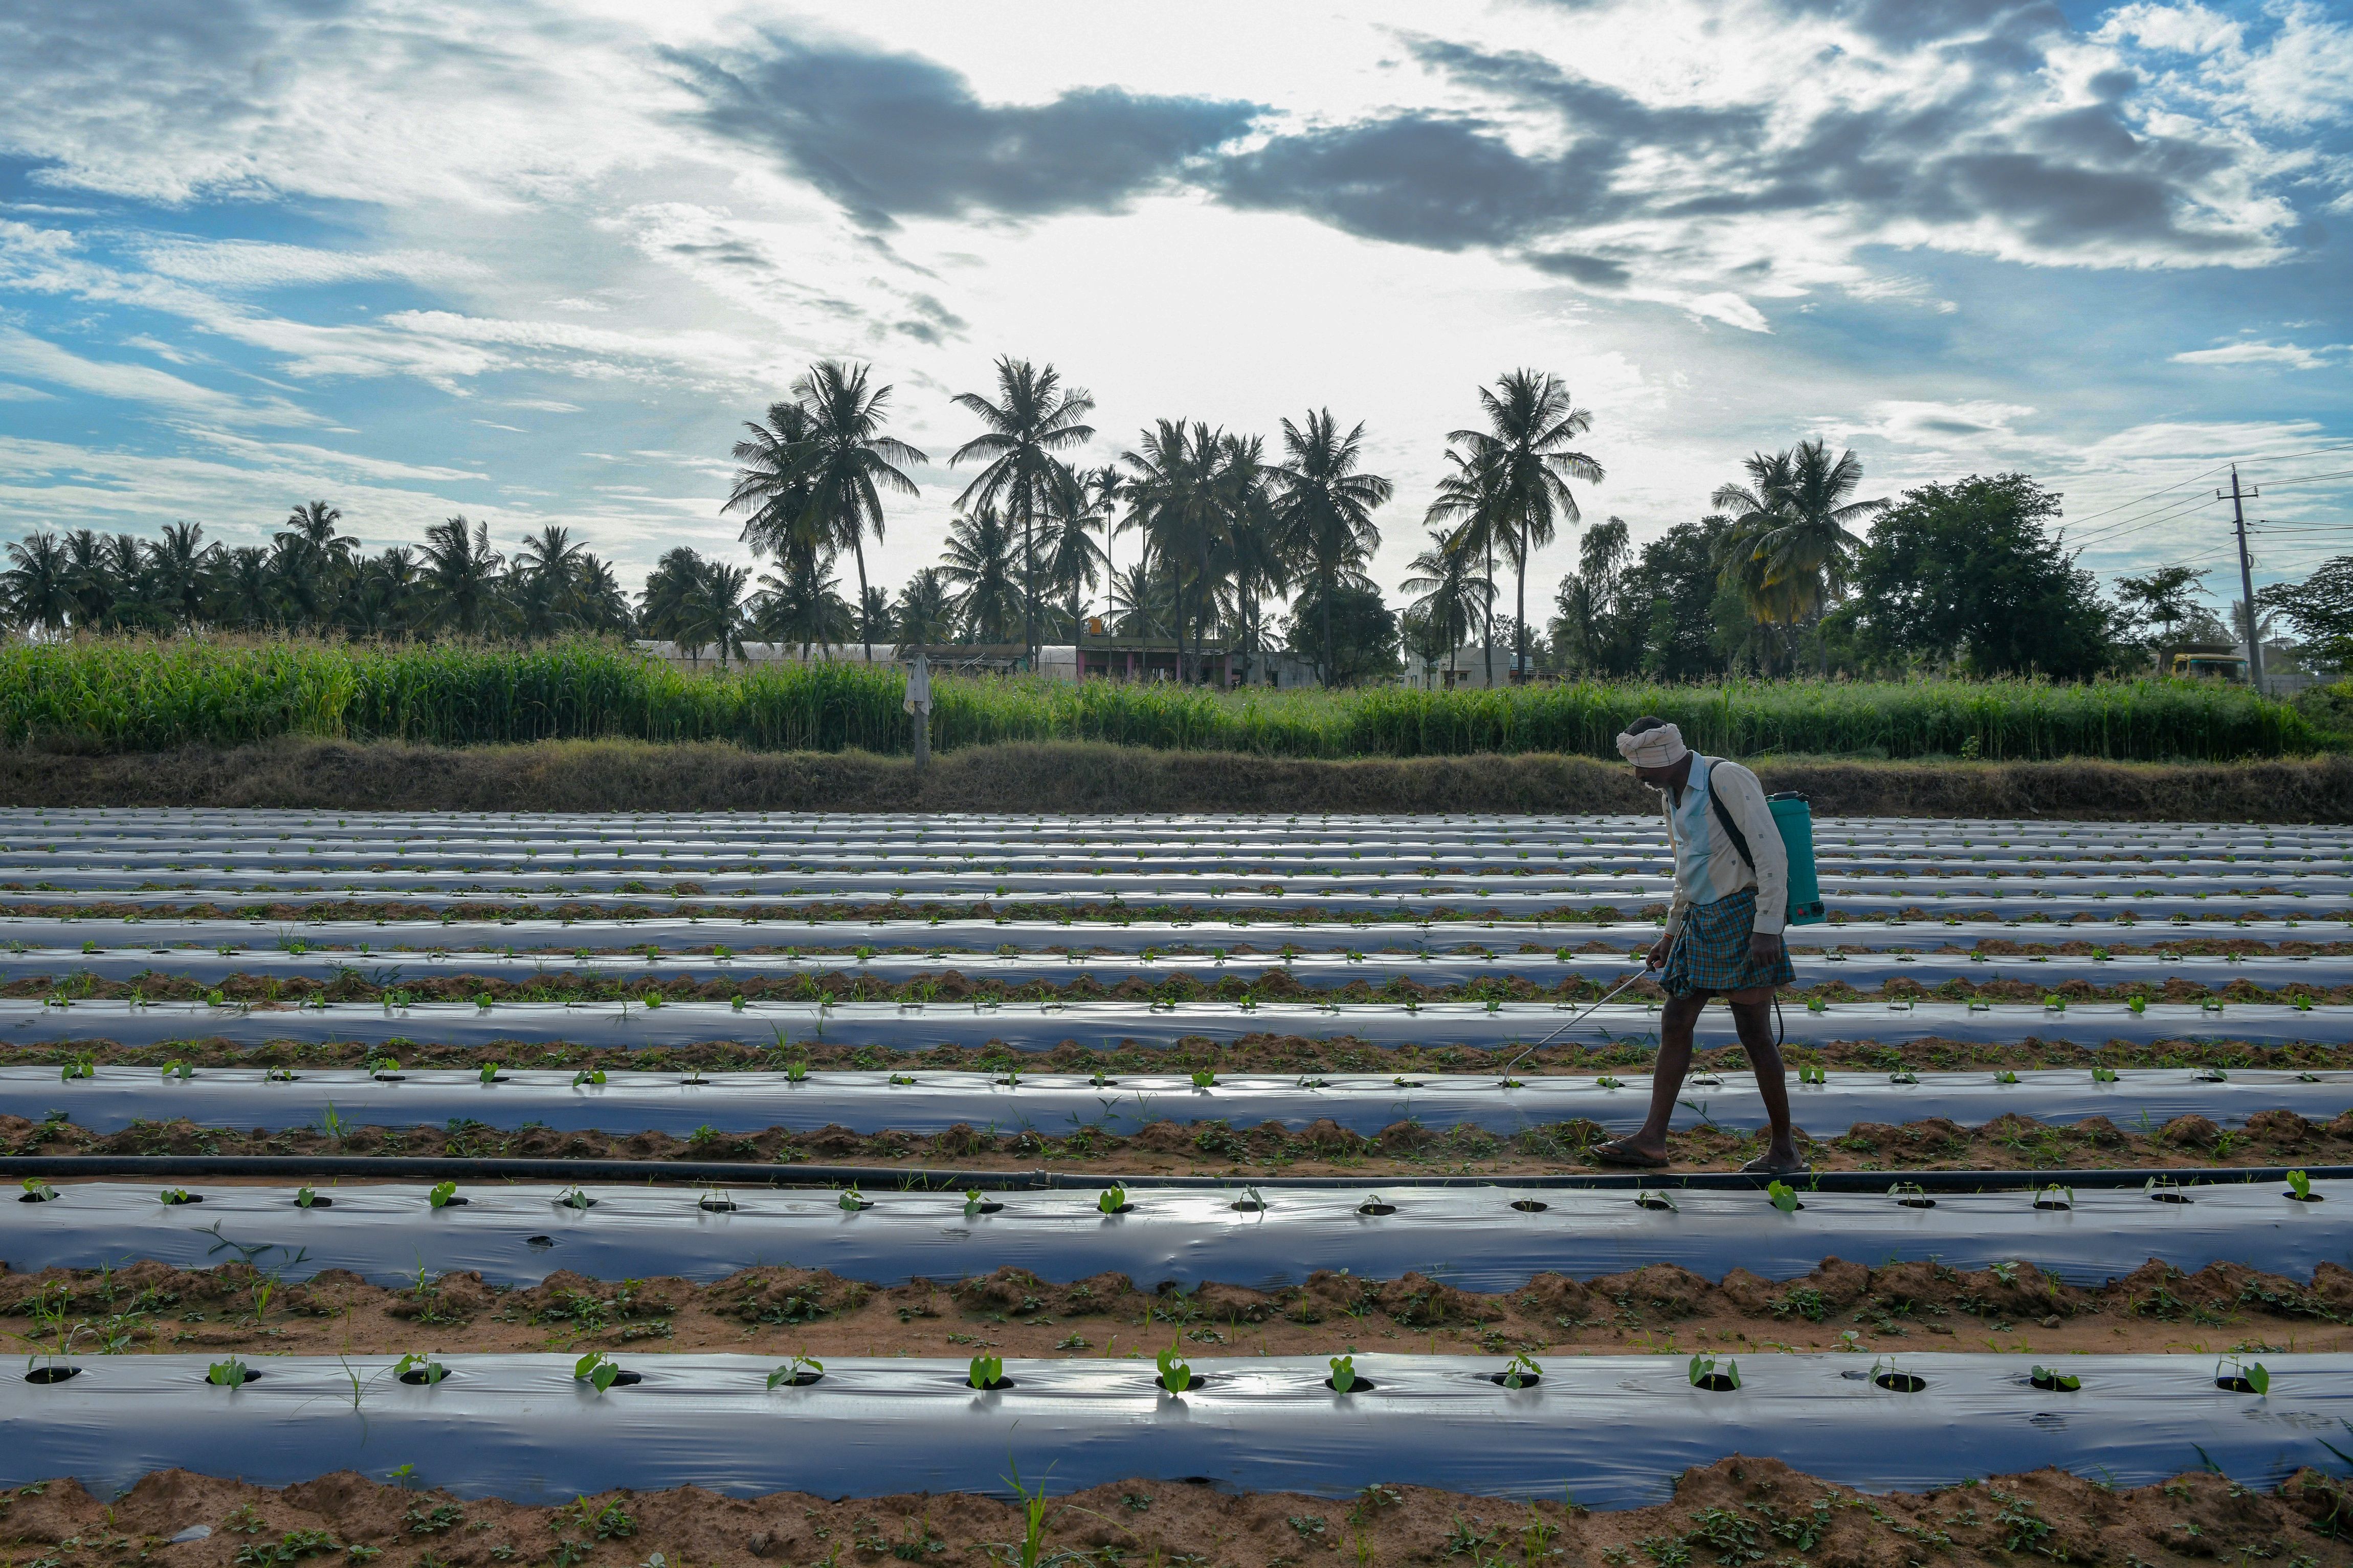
884, 1178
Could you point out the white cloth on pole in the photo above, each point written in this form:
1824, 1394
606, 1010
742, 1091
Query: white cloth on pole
919, 686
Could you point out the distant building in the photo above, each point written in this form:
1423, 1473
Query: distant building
1095, 656
1465, 667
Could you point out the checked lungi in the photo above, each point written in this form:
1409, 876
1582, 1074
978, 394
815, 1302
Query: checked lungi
1711, 950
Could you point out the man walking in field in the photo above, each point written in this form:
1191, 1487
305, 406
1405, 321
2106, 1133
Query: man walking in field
1722, 936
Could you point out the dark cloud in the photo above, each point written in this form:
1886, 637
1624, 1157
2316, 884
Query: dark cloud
1908, 23
1595, 271
892, 136
1414, 179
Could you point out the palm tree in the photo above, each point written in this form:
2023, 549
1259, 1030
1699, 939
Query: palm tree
713, 612
88, 579
850, 460
312, 558
1143, 598
248, 587
978, 564
384, 597
182, 568
1032, 420
461, 573
1792, 519
1449, 599
772, 487
1325, 510
1256, 565
604, 604
1174, 497
925, 614
668, 587
125, 558
1073, 560
1525, 454
800, 601
547, 571
39, 582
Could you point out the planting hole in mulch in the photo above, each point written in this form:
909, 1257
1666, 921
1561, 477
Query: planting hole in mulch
418, 1375
2168, 1196
800, 1379
1527, 1380
1715, 1382
2060, 1204
315, 1203
249, 1376
539, 1243
716, 1204
1375, 1209
2236, 1382
988, 1205
1247, 1205
2049, 1383
35, 1197
2305, 1197
1200, 1380
52, 1374
1531, 1205
1361, 1385
999, 1385
1901, 1382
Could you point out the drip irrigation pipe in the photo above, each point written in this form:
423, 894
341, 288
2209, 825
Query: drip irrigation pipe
1612, 1430
930, 1100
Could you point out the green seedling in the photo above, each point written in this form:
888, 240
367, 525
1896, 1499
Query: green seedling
305, 1197
1783, 1198
796, 1072
489, 1072
39, 1191
2005, 1076
83, 1066
2052, 1195
1112, 1199
2299, 1186
2242, 1376
441, 1193
2051, 1377
1521, 1371
1606, 1081
180, 1070
800, 1370
2104, 1075
904, 1080
596, 1369
1904, 1075
972, 1202
1706, 1372
851, 1201
1204, 1078
1812, 1075
1176, 1373
2138, 1005
433, 1370
1344, 1373
1816, 1005
593, 1076
173, 1194
376, 1067
576, 1199
229, 1374
986, 1373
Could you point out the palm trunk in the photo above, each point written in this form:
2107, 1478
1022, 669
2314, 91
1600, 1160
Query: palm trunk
1520, 613
1490, 531
1028, 591
858, 548
1329, 588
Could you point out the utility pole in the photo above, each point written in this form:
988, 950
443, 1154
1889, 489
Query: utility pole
2247, 579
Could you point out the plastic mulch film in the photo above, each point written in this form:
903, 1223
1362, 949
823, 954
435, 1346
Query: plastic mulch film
1611, 1430
1315, 971
1053, 1105
1471, 1238
1029, 1025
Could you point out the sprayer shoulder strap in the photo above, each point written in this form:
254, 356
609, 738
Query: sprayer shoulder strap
1731, 828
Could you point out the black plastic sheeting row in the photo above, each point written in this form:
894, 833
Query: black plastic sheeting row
1054, 1105
1611, 1430
1487, 1238
1315, 971
1036, 1026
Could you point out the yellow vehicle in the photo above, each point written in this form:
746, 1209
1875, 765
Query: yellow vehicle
2218, 661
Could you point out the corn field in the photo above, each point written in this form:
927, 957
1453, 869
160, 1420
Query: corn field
142, 696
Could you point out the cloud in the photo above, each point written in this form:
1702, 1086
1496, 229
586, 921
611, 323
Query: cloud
2288, 355
891, 136
256, 264
38, 359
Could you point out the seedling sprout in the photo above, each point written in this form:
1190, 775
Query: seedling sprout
596, 1369
442, 1194
305, 1197
2053, 1380
2241, 1376
1783, 1196
1112, 1199
37, 1191
1886, 1374
798, 1373
1717, 1377
1519, 1371
592, 1076
1204, 1078
986, 1371
2299, 1187
428, 1371
229, 1374
1176, 1373
573, 1198
1344, 1373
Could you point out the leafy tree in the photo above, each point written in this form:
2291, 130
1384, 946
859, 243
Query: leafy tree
850, 461
2164, 598
772, 487
1032, 420
40, 582
2321, 608
711, 611
461, 575
1074, 562
312, 560
1325, 511
1969, 573
1364, 632
181, 564
1599, 623
1176, 495
801, 601
247, 589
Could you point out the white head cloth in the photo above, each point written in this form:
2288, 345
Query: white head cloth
1661, 748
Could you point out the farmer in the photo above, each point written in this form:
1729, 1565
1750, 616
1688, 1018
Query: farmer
1722, 936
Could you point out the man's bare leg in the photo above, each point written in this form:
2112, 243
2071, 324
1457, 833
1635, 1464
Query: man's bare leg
1751, 1019
1676, 1020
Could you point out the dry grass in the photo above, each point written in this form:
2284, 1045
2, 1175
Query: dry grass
631, 775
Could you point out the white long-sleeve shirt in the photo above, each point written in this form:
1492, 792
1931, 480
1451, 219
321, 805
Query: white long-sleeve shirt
1707, 865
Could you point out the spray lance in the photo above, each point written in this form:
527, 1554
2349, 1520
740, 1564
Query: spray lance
1589, 1012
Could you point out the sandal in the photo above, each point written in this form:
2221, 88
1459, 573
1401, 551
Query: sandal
1763, 1165
1616, 1152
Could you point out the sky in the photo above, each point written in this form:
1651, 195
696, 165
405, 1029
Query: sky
536, 263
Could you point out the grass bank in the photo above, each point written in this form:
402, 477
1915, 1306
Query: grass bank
121, 696
637, 776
